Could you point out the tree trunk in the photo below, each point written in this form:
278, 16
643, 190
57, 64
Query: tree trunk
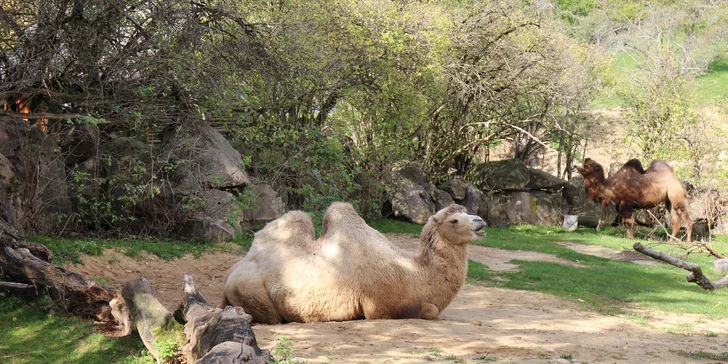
161, 334
696, 273
217, 335
71, 291
209, 336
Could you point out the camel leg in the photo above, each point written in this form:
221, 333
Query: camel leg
429, 311
403, 309
680, 209
625, 211
245, 288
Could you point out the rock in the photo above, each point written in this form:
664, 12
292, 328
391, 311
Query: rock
540, 180
268, 206
456, 187
80, 143
212, 161
220, 206
505, 175
472, 200
535, 207
440, 198
13, 134
207, 230
408, 195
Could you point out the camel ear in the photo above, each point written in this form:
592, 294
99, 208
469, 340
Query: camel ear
434, 219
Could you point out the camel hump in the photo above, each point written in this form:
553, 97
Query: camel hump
340, 215
293, 228
636, 165
658, 165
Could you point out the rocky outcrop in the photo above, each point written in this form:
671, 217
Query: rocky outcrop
407, 191
207, 158
541, 180
266, 204
505, 175
501, 209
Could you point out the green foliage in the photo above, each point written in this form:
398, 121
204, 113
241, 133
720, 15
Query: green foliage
34, 333
283, 353
702, 355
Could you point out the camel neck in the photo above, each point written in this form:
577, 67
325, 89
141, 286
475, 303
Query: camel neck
444, 273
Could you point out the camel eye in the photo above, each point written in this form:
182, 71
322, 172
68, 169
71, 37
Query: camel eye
453, 222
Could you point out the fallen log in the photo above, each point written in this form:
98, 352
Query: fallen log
217, 335
71, 291
696, 272
11, 237
161, 334
209, 335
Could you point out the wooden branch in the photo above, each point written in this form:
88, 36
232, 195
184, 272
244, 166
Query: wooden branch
21, 289
149, 317
40, 115
217, 335
71, 291
696, 273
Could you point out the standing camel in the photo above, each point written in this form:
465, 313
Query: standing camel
633, 187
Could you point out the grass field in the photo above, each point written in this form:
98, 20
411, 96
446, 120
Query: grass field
710, 88
34, 332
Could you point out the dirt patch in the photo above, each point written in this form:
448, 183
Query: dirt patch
114, 268
482, 323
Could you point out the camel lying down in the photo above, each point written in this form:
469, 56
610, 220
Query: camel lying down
351, 271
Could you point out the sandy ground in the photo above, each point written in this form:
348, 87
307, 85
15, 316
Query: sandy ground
482, 324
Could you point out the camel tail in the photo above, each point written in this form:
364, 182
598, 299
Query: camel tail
224, 303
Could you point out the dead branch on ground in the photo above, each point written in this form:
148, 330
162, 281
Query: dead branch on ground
696, 272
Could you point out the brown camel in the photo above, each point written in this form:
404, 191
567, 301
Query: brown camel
633, 187
351, 271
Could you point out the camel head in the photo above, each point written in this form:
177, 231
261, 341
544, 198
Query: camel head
456, 226
590, 168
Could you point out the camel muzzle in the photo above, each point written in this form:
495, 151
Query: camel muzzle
479, 227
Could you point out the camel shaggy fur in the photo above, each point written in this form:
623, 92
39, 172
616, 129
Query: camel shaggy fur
351, 271
633, 187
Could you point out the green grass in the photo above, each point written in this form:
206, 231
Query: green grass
605, 284
32, 332
70, 249
709, 88
714, 84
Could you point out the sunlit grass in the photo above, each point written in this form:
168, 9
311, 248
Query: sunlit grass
32, 332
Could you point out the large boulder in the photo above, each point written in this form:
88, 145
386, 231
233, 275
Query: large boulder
456, 187
407, 191
13, 134
440, 198
504, 175
541, 180
9, 198
209, 159
535, 207
80, 143
266, 204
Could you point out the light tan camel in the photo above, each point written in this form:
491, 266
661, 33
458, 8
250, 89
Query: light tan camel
633, 187
351, 271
